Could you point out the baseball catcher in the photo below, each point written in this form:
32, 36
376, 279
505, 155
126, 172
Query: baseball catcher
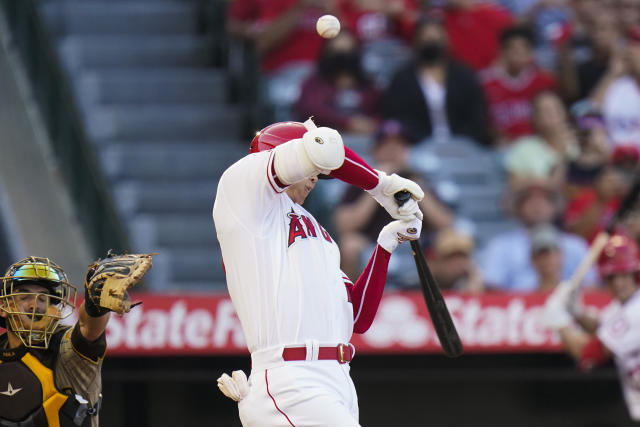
298, 310
50, 373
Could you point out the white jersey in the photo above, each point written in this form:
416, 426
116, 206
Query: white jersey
619, 331
621, 111
282, 267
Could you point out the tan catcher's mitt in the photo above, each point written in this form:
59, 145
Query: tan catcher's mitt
108, 279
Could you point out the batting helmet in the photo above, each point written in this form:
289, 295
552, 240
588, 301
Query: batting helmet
276, 134
60, 299
620, 255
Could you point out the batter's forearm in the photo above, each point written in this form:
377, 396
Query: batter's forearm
356, 171
367, 291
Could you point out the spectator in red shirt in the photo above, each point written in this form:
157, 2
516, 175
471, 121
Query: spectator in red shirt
284, 35
338, 94
473, 29
512, 83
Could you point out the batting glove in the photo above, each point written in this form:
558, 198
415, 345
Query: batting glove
235, 387
399, 231
388, 186
556, 309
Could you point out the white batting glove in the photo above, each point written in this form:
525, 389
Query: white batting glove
399, 231
556, 309
235, 387
388, 185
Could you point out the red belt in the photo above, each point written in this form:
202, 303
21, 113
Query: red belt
343, 353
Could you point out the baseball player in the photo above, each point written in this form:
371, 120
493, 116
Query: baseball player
298, 310
50, 373
616, 332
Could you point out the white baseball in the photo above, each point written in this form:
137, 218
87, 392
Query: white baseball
328, 26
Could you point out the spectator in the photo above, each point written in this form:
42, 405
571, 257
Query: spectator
473, 29
618, 95
436, 96
605, 38
452, 264
628, 12
506, 260
592, 208
546, 257
284, 35
512, 83
385, 28
544, 154
594, 151
338, 94
356, 217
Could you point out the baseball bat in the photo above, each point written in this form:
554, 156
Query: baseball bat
438, 311
603, 237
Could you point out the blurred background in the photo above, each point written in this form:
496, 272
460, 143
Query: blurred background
520, 118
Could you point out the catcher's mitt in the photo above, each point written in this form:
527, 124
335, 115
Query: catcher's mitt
108, 279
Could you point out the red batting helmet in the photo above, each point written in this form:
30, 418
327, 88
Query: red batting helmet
276, 134
620, 255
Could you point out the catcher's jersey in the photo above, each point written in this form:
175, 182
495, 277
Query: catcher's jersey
619, 331
282, 267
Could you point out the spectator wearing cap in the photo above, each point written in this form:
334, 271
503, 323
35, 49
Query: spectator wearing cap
546, 256
435, 95
339, 94
506, 262
511, 84
618, 95
357, 217
452, 262
593, 153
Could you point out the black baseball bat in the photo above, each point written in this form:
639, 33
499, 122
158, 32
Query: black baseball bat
438, 311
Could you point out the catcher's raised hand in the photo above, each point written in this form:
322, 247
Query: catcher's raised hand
388, 186
108, 280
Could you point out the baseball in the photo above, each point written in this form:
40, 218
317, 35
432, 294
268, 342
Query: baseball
328, 26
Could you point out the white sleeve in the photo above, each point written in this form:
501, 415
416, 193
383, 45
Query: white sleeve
620, 332
248, 190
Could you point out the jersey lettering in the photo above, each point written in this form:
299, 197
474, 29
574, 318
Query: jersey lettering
295, 228
311, 230
325, 234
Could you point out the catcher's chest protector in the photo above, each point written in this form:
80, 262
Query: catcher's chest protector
29, 396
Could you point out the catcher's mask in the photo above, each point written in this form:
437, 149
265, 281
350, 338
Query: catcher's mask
36, 294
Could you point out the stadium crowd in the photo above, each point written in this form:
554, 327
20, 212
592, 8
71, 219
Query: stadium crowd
550, 87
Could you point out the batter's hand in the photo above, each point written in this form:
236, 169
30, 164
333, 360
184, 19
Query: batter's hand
388, 186
556, 309
399, 231
235, 387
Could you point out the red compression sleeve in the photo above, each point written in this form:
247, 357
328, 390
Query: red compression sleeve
367, 292
593, 354
356, 171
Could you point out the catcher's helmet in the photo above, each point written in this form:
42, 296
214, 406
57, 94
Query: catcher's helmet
276, 134
33, 325
620, 255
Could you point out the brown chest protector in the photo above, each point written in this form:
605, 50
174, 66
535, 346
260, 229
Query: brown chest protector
29, 396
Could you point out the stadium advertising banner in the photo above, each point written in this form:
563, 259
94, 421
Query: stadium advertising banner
207, 325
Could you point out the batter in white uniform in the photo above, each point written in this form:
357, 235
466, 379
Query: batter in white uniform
297, 308
616, 332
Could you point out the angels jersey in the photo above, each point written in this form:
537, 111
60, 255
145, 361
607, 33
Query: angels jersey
619, 331
282, 267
